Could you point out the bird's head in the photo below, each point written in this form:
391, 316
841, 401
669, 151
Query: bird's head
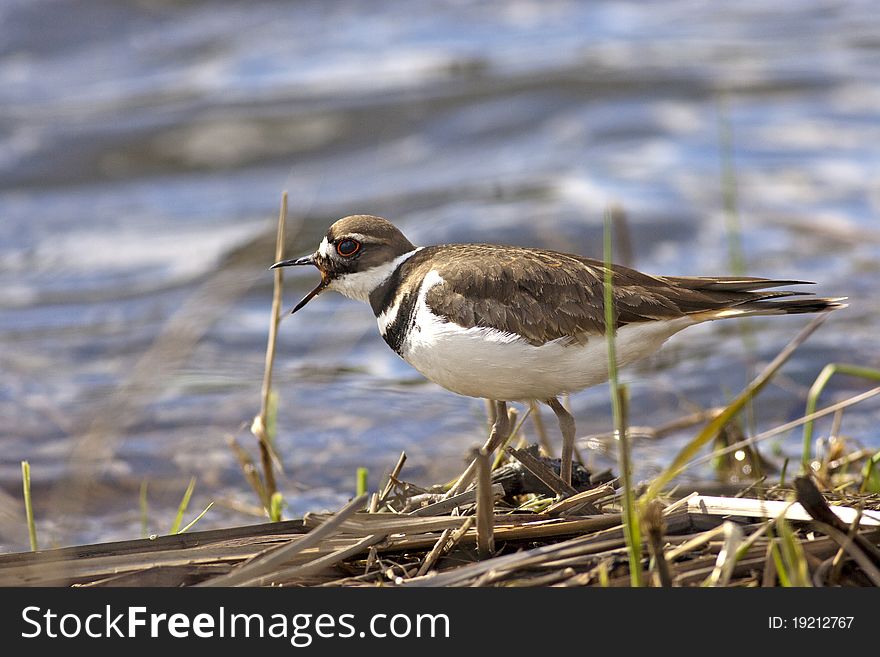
356, 255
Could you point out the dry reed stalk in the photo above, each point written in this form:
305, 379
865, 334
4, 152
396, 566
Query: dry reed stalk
758, 508
485, 507
444, 506
260, 424
447, 541
250, 471
683, 502
270, 560
388, 523
581, 502
544, 473
571, 547
696, 575
660, 431
654, 525
851, 545
693, 543
291, 573
549, 579
392, 478
837, 562
439, 547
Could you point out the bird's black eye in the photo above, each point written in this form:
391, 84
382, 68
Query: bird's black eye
348, 247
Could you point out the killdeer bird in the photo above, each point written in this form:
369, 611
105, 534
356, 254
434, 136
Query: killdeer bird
508, 323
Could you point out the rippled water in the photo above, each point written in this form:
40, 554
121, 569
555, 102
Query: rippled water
144, 147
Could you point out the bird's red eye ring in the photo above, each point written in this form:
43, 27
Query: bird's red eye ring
348, 247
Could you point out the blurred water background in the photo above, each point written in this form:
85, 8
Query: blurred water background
144, 146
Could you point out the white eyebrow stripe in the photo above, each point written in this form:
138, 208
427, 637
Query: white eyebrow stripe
359, 238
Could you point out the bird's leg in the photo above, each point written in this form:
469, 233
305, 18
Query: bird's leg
500, 427
566, 425
500, 432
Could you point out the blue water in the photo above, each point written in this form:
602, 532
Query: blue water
144, 148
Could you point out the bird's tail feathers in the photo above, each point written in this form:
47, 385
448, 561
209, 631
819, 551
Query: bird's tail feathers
773, 306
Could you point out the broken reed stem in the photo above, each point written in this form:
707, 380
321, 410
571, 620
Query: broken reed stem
448, 540
837, 561
28, 504
436, 551
654, 525
485, 507
630, 516
393, 478
249, 470
261, 423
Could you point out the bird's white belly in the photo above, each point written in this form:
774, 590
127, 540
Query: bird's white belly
485, 362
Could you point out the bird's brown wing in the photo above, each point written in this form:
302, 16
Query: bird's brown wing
545, 295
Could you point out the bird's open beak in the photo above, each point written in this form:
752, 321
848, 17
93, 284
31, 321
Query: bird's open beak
307, 260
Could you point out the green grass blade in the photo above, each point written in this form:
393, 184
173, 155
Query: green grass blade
603, 574
870, 479
276, 507
732, 225
783, 472
197, 518
183, 504
28, 504
781, 572
793, 556
145, 512
361, 484
630, 514
813, 397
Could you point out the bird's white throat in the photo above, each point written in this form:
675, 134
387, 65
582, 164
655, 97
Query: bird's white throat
359, 285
